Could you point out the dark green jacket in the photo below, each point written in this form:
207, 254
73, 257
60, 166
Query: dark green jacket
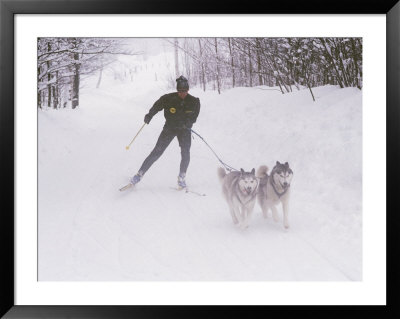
177, 112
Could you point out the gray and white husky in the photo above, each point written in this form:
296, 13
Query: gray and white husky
275, 189
240, 191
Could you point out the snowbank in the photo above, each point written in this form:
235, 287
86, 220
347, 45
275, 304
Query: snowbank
88, 230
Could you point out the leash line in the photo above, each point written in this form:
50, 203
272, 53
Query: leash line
227, 167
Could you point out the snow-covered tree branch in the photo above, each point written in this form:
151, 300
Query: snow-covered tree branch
62, 61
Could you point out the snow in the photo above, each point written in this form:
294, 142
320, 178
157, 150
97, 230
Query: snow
89, 231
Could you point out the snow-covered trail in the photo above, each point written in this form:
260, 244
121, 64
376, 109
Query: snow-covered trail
88, 230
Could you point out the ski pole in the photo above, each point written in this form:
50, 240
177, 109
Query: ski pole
127, 147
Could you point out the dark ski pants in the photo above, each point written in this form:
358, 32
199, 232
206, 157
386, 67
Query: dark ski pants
165, 138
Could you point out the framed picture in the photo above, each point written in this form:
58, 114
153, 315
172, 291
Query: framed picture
298, 88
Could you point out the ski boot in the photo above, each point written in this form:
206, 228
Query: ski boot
181, 181
136, 179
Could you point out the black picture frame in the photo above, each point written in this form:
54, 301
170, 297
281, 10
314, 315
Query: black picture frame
9, 8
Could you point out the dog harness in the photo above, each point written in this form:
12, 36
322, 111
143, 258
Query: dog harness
274, 187
252, 196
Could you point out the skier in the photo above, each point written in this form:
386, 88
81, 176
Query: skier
180, 111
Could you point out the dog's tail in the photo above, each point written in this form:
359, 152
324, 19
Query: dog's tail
221, 173
262, 171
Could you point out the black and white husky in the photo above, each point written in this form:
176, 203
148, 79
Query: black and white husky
240, 191
275, 189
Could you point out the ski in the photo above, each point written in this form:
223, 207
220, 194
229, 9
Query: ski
194, 192
187, 190
127, 186
124, 188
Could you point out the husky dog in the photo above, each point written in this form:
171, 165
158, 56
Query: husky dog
275, 189
240, 191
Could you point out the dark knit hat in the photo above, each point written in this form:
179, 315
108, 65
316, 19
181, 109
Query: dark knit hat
182, 84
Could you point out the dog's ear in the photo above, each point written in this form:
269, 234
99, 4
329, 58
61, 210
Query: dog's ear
277, 163
287, 164
241, 171
253, 171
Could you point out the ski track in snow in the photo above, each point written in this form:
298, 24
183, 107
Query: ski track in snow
88, 230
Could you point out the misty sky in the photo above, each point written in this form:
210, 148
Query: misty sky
151, 46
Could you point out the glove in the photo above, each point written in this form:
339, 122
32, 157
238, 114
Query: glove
147, 118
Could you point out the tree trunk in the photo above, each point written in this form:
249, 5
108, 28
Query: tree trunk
76, 82
39, 99
176, 43
49, 94
232, 64
250, 68
355, 61
203, 73
260, 78
341, 65
186, 59
48, 78
39, 94
280, 80
216, 59
56, 92
280, 86
55, 102
339, 78
312, 94
100, 76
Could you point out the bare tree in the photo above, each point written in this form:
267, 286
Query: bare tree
176, 46
231, 54
217, 75
201, 64
284, 62
62, 62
